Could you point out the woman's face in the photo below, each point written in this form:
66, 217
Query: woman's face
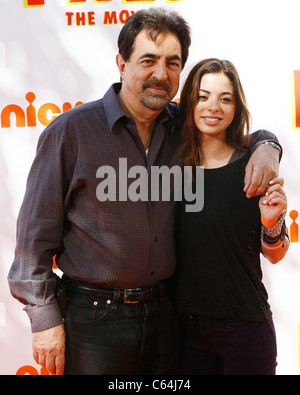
216, 107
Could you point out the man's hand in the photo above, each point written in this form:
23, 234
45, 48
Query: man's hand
49, 349
262, 167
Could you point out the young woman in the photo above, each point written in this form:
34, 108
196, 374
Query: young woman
227, 319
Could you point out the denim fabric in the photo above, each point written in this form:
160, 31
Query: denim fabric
228, 347
110, 337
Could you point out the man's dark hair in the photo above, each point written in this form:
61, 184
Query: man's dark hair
154, 21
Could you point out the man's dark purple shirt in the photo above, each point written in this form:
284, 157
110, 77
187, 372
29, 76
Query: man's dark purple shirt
121, 244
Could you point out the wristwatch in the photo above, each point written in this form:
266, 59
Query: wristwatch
276, 146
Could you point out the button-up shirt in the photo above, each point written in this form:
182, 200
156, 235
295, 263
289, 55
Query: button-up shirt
78, 207
117, 242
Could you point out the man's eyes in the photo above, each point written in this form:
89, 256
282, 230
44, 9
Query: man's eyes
174, 65
171, 64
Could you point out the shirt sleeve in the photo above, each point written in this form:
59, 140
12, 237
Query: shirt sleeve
39, 234
260, 137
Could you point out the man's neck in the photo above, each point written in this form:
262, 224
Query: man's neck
144, 118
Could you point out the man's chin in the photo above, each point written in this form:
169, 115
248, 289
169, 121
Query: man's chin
156, 103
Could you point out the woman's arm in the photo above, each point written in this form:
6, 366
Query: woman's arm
273, 205
276, 252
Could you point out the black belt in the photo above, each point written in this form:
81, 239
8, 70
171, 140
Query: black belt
127, 295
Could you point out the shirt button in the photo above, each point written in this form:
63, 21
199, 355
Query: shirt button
155, 238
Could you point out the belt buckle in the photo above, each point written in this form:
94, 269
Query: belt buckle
130, 292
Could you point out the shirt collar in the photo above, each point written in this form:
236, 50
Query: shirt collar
112, 106
114, 110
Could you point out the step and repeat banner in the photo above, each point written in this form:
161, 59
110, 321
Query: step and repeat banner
57, 54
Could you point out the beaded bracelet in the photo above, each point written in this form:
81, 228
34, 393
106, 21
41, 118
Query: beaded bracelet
273, 240
272, 234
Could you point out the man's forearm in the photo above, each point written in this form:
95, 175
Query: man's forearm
263, 164
262, 137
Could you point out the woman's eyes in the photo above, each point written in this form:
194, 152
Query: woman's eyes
204, 98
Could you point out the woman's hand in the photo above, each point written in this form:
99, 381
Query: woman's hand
274, 201
271, 205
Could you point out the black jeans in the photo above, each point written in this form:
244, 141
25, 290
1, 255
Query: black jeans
110, 337
228, 347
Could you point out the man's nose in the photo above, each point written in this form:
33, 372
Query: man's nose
160, 72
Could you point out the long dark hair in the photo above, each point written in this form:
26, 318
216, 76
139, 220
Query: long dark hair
237, 134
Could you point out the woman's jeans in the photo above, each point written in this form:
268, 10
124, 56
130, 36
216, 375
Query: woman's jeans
113, 338
228, 347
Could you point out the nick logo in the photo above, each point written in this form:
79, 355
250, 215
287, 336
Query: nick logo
296, 98
28, 117
40, 3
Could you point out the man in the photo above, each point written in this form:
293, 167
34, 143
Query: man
115, 253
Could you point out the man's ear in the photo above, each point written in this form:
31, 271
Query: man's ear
121, 65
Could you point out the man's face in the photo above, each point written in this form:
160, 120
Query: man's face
151, 76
